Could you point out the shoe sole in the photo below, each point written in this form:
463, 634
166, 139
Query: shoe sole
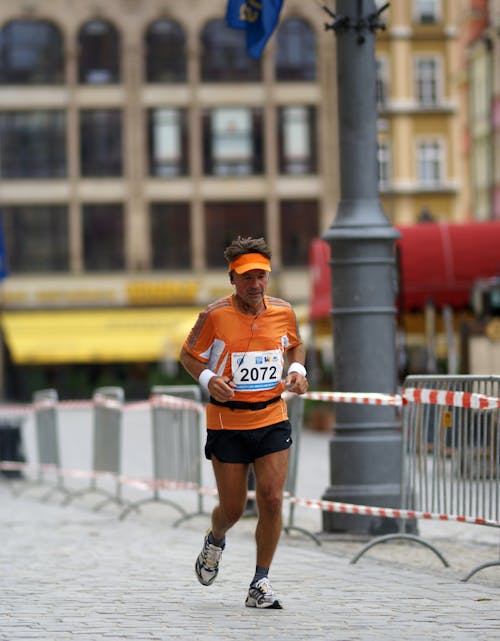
252, 603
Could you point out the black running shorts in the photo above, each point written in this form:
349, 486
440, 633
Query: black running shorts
244, 446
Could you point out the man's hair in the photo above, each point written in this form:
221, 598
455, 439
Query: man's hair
249, 245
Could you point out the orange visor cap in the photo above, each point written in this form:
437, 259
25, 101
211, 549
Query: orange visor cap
246, 262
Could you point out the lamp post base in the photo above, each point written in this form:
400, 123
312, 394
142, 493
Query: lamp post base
365, 470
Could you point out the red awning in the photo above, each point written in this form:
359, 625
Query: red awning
439, 262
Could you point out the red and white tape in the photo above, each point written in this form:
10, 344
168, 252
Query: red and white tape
365, 398
394, 513
325, 506
451, 399
164, 400
448, 398
157, 484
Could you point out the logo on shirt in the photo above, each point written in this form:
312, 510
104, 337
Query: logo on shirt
266, 359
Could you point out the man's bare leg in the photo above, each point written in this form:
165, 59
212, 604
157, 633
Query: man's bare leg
232, 481
270, 476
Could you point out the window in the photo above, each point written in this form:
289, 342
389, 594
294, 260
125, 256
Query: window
166, 55
427, 79
168, 147
233, 141
224, 221
427, 11
32, 144
297, 140
103, 237
101, 142
295, 51
31, 52
299, 224
382, 82
430, 163
99, 55
384, 164
224, 57
36, 238
170, 231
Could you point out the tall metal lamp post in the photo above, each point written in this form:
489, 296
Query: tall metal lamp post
365, 451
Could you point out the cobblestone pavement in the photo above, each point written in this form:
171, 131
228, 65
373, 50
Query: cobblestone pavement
74, 573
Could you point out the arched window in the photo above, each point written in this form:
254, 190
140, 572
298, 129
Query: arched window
224, 57
31, 53
99, 53
295, 51
165, 52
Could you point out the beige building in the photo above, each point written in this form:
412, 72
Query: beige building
480, 28
162, 139
420, 149
137, 138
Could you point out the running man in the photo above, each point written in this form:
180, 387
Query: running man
236, 351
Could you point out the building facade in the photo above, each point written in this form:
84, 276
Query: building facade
420, 166
137, 137
480, 26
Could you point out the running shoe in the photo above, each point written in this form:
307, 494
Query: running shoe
207, 563
261, 595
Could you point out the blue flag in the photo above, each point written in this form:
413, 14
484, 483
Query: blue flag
258, 18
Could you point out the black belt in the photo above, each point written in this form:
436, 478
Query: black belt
243, 405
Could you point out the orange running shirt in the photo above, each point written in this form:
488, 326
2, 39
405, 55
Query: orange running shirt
249, 350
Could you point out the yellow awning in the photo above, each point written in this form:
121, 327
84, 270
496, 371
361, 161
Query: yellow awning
90, 336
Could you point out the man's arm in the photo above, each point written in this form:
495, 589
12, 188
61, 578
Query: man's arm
218, 386
191, 364
296, 381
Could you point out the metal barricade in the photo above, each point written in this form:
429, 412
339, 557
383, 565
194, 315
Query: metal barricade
107, 423
176, 447
47, 439
451, 455
295, 407
47, 443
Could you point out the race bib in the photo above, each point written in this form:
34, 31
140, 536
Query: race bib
256, 371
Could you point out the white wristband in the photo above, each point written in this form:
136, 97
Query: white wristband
205, 377
299, 368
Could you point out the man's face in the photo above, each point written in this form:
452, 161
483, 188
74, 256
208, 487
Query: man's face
251, 286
